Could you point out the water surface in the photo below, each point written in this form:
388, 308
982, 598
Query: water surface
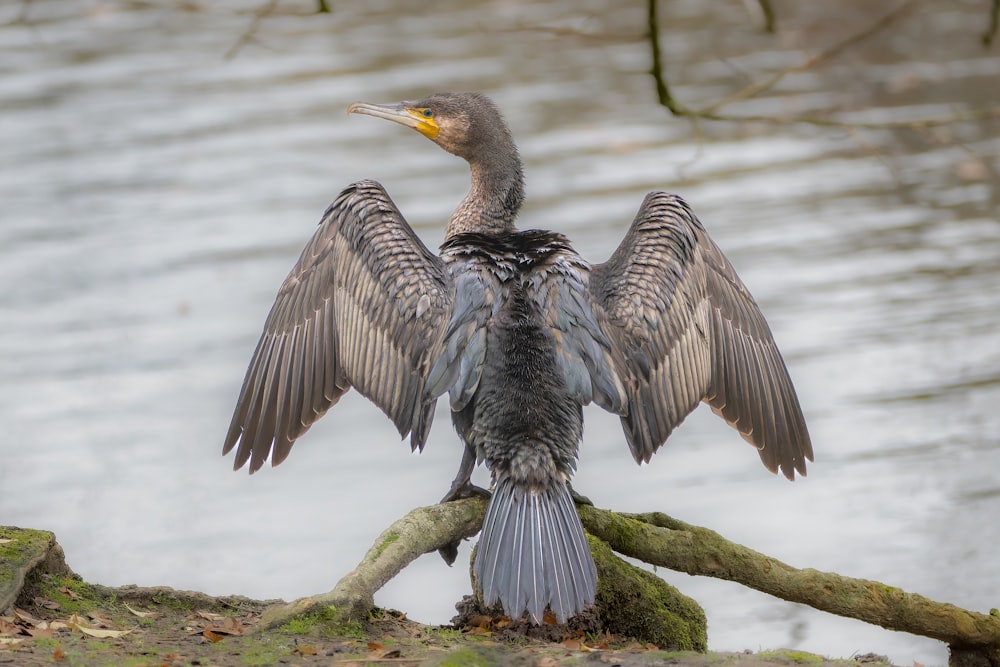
156, 193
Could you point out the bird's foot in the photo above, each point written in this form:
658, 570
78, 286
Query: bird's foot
465, 490
578, 498
458, 491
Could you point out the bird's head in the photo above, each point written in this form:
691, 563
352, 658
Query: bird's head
465, 124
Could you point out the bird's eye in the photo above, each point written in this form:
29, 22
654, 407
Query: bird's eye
428, 113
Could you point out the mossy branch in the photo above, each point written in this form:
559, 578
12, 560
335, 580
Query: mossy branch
660, 540
423, 530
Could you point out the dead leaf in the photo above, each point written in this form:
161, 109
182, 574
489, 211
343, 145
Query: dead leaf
44, 633
305, 650
572, 644
58, 654
101, 633
101, 618
70, 593
45, 602
547, 661
479, 621
375, 646
229, 626
209, 616
143, 614
26, 617
76, 623
212, 636
548, 618
10, 640
8, 628
385, 654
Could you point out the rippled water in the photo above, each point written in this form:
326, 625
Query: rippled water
155, 194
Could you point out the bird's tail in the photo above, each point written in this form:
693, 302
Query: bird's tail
533, 553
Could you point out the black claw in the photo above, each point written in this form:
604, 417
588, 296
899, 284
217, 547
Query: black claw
465, 490
449, 553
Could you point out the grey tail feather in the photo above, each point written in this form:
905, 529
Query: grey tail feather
534, 554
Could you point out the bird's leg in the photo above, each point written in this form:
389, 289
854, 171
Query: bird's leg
462, 486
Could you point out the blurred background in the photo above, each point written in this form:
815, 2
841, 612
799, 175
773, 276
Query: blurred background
163, 163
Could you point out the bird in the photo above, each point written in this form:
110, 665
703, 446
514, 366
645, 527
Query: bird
521, 332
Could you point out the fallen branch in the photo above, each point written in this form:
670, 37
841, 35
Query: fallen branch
423, 530
660, 540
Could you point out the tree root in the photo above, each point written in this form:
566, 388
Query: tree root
657, 539
423, 530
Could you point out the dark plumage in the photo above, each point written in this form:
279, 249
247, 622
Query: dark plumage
521, 332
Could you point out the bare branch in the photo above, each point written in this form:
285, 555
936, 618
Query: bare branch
991, 32
770, 22
248, 35
666, 99
755, 89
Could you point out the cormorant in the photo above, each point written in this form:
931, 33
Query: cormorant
521, 332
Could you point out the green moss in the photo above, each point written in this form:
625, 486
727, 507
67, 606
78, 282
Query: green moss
19, 549
326, 622
467, 656
797, 657
384, 544
80, 598
17, 544
638, 604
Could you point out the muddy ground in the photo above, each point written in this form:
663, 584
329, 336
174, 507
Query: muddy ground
49, 616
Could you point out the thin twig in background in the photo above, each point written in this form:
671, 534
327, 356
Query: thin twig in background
248, 34
667, 100
991, 32
757, 88
662, 90
770, 20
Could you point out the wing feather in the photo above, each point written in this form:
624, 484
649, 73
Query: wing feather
365, 307
686, 330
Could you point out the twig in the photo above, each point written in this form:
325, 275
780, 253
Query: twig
667, 100
248, 35
662, 91
755, 89
770, 23
991, 32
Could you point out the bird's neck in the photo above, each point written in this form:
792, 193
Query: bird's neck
493, 201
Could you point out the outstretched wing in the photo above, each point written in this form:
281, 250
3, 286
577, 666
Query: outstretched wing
687, 330
364, 307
